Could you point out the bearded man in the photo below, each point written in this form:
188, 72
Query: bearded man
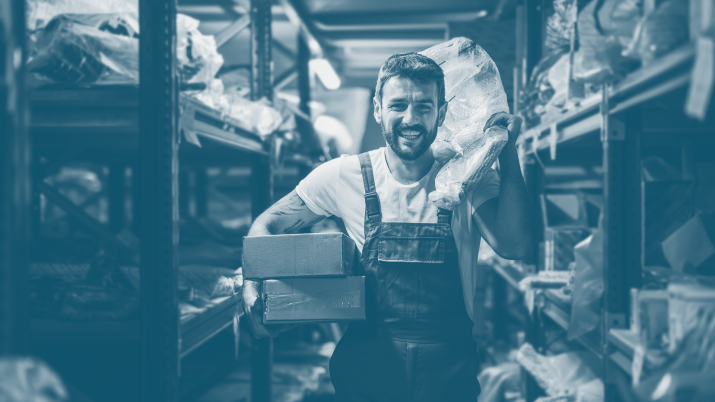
416, 344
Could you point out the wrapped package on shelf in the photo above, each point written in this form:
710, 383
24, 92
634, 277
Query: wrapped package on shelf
40, 12
309, 300
588, 286
83, 49
690, 306
293, 255
474, 91
501, 383
603, 27
31, 380
561, 376
690, 248
660, 31
259, 115
649, 316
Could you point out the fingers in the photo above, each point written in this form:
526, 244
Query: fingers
499, 119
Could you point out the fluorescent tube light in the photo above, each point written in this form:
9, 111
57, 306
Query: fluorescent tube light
326, 73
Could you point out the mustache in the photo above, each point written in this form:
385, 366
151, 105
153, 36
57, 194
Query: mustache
419, 128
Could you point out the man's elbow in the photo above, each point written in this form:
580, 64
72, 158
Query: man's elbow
517, 250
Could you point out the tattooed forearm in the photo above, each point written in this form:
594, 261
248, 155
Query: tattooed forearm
291, 204
288, 214
301, 224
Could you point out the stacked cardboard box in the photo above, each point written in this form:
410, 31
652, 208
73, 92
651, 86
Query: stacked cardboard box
306, 277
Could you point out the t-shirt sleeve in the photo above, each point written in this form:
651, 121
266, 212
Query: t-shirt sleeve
486, 189
319, 189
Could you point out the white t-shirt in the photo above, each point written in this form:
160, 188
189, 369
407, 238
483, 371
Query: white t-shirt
336, 188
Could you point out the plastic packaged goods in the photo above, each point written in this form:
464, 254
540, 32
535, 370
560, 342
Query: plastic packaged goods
563, 377
559, 26
40, 12
501, 383
588, 285
474, 91
198, 57
257, 115
26, 379
599, 59
690, 248
691, 308
660, 31
84, 49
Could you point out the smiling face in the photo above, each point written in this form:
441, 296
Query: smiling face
409, 115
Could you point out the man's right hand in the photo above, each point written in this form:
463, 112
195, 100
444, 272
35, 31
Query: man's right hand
253, 307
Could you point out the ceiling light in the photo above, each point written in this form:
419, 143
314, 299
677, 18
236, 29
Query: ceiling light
326, 73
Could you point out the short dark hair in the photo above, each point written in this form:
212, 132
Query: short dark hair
419, 68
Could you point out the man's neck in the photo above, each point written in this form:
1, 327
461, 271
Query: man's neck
408, 172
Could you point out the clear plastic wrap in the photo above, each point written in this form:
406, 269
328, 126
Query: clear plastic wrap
598, 59
501, 383
474, 91
100, 49
198, 57
564, 377
588, 286
660, 31
25, 379
259, 115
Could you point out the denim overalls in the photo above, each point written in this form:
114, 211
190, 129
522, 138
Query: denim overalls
416, 342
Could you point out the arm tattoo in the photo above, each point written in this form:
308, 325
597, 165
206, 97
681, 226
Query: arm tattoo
288, 205
300, 224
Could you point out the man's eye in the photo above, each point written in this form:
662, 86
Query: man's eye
398, 106
424, 108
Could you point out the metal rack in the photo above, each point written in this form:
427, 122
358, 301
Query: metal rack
610, 129
150, 128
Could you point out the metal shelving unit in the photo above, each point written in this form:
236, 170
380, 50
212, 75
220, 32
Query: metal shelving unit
153, 129
643, 111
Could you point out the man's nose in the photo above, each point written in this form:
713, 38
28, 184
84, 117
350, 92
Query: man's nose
409, 117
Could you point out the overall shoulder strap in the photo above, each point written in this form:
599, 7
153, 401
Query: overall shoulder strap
444, 216
373, 213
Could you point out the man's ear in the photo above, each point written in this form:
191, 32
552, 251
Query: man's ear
377, 111
442, 114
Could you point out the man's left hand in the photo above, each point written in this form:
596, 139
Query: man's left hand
511, 122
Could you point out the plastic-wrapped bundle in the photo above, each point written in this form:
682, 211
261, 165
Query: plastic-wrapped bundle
475, 93
88, 49
198, 57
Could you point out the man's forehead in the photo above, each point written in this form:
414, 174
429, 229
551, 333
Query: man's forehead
399, 87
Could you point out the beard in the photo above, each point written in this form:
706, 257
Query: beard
409, 152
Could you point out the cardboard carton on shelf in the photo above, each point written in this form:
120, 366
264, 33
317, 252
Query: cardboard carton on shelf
310, 300
299, 255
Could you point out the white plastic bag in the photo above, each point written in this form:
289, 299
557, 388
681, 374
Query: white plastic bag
474, 91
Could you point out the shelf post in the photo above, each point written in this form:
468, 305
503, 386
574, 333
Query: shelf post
159, 234
622, 223
15, 182
261, 177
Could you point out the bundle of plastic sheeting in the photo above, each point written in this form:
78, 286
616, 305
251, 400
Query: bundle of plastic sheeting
26, 379
588, 286
40, 12
82, 49
501, 383
259, 115
474, 91
564, 377
660, 31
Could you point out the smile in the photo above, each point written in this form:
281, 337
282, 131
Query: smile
410, 135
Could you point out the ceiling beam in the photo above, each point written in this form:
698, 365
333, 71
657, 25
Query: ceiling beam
285, 78
298, 18
232, 30
341, 19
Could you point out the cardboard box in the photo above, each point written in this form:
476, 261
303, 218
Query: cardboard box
310, 300
299, 255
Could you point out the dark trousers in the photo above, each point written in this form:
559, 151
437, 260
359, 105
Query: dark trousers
371, 369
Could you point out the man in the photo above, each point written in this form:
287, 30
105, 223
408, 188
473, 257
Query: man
416, 342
